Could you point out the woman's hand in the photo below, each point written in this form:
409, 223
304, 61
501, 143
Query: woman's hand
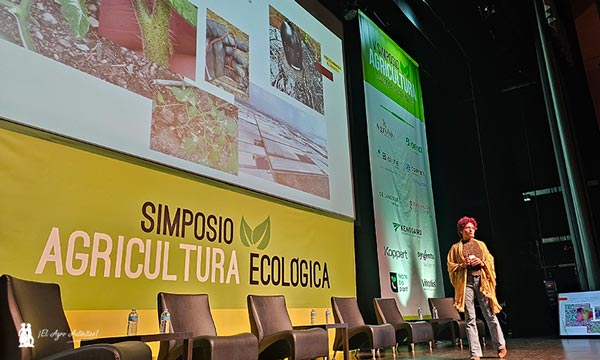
475, 261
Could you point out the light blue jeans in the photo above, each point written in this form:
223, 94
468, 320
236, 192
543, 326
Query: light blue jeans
472, 292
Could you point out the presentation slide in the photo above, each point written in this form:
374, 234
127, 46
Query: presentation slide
579, 313
251, 93
407, 242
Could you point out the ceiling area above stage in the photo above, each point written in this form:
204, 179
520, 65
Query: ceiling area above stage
498, 32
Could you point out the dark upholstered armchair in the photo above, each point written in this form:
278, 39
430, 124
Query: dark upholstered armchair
277, 339
191, 312
40, 305
361, 335
414, 332
450, 324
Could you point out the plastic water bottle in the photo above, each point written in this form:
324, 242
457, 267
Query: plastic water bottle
327, 316
132, 322
165, 321
434, 312
313, 316
420, 313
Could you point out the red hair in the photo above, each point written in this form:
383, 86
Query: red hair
463, 221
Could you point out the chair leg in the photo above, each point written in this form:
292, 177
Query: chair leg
483, 342
373, 353
460, 343
411, 347
394, 351
430, 346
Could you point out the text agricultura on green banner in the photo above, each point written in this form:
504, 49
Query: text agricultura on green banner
389, 69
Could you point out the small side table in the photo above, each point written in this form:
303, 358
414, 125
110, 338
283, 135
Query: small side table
186, 336
343, 326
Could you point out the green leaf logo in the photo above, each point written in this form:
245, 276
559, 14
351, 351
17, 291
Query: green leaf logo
259, 237
396, 226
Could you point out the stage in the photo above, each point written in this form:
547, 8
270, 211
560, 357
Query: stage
518, 349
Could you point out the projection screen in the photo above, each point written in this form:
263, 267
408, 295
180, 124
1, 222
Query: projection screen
251, 93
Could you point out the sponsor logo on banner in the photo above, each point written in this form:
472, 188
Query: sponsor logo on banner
412, 145
415, 205
388, 158
398, 282
413, 170
428, 284
395, 253
394, 282
409, 230
425, 256
212, 260
419, 183
394, 199
384, 130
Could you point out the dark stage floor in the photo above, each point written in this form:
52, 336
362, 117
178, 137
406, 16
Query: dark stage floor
518, 349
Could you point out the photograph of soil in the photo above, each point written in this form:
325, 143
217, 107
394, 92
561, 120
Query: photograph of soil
295, 56
282, 144
227, 56
187, 122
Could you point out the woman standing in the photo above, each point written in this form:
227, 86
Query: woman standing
472, 273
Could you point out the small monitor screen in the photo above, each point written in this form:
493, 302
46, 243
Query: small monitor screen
579, 313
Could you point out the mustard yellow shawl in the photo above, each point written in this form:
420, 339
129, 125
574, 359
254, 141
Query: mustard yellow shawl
458, 276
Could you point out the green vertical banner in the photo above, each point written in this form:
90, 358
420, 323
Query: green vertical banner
407, 242
389, 69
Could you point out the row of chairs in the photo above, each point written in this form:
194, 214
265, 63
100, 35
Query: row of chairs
449, 325
273, 335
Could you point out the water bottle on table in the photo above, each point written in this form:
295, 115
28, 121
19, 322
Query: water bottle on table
420, 313
313, 316
434, 312
132, 322
327, 316
165, 322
